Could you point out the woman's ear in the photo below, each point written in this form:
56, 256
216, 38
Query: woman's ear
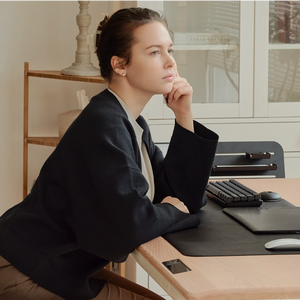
118, 65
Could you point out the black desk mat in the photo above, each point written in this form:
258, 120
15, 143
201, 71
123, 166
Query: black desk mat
220, 235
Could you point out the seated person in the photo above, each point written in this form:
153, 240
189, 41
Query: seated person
107, 188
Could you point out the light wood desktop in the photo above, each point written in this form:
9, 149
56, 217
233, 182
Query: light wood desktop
228, 277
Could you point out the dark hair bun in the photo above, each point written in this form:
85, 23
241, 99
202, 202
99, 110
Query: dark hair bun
103, 22
100, 28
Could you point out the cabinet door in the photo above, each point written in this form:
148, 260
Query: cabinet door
213, 48
277, 54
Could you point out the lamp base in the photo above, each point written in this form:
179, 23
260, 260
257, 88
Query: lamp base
86, 69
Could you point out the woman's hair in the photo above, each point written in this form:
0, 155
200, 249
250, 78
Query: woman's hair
115, 35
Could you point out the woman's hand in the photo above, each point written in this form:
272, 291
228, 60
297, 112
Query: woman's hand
179, 99
177, 203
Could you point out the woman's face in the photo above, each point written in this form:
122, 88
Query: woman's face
152, 68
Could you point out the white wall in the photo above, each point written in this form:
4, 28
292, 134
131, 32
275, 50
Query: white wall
42, 33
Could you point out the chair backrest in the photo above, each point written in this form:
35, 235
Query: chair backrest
248, 159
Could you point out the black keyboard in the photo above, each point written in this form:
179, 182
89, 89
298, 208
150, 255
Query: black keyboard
231, 193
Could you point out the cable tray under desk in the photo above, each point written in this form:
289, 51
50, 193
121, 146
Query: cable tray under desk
259, 158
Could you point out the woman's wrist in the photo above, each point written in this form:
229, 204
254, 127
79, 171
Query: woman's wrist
185, 120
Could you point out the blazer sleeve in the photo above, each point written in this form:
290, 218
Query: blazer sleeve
123, 218
185, 171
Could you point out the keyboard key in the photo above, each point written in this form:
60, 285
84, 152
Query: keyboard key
218, 192
231, 193
255, 194
245, 195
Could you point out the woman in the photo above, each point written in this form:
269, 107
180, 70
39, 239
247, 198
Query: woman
106, 188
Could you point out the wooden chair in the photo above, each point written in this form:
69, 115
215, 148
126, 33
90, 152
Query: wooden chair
121, 268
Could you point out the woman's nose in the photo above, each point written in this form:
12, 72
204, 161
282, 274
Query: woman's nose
170, 62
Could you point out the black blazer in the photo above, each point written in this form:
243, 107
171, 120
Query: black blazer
89, 204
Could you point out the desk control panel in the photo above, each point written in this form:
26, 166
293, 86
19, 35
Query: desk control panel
176, 266
231, 193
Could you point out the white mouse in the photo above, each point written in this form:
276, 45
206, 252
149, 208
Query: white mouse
283, 244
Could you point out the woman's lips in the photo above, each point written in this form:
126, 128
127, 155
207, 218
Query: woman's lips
169, 77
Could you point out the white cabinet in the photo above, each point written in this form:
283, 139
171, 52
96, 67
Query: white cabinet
246, 79
276, 69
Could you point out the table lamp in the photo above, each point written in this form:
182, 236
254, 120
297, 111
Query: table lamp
82, 65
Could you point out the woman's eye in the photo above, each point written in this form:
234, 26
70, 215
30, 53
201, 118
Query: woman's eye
154, 52
171, 51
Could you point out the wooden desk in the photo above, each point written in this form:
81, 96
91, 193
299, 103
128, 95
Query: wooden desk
228, 277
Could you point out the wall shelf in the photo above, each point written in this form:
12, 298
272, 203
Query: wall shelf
51, 141
58, 75
43, 141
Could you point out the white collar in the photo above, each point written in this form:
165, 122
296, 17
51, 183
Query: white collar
137, 128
